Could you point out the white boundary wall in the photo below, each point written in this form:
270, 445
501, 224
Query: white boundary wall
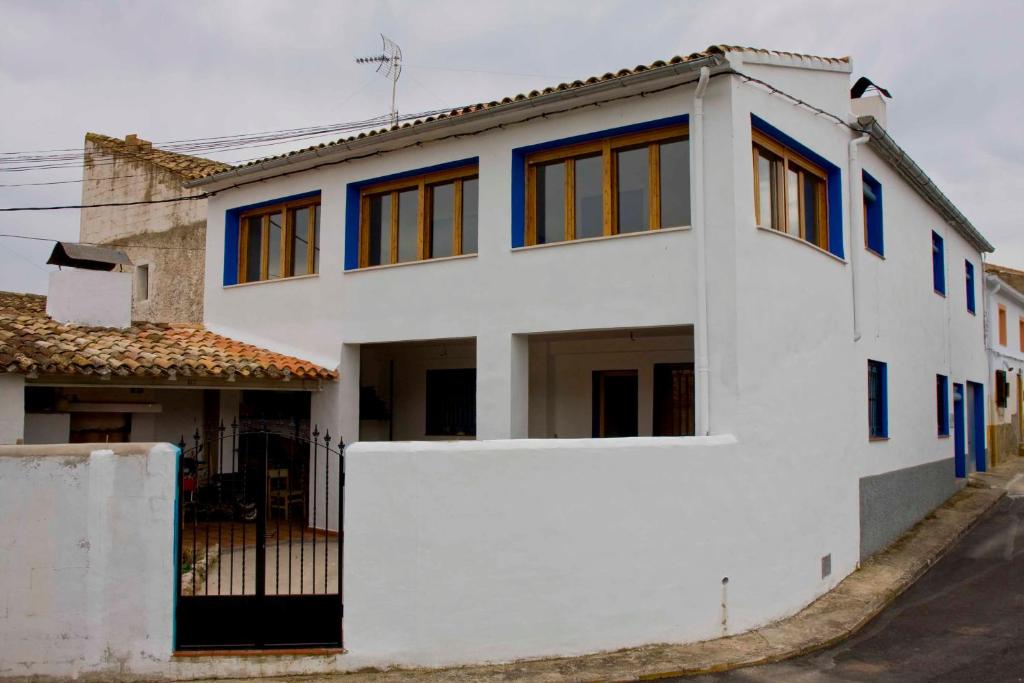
86, 558
491, 551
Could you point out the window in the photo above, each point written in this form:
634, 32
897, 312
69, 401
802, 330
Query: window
1020, 333
873, 235
419, 217
673, 399
938, 265
615, 403
278, 241
942, 404
969, 279
789, 192
878, 399
1002, 388
618, 185
142, 282
451, 402
1002, 325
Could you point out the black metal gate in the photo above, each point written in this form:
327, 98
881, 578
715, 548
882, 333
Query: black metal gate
259, 564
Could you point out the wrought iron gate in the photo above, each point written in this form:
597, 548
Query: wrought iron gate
259, 565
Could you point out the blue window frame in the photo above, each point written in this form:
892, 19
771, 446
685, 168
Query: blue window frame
942, 404
938, 264
969, 279
874, 239
878, 400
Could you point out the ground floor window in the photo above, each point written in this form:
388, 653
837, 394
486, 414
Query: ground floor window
615, 397
878, 421
451, 402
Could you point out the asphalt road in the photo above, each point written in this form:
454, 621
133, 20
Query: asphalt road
962, 621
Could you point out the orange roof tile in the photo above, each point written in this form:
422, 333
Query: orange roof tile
33, 342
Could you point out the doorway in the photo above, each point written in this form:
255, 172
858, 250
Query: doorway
616, 403
959, 442
976, 427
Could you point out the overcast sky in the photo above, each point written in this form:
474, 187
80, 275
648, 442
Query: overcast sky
178, 70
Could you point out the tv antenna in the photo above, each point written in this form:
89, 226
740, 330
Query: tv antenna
389, 65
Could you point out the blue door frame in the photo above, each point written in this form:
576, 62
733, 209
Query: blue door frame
977, 397
959, 441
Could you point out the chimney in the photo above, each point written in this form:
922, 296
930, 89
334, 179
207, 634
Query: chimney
872, 105
133, 141
87, 290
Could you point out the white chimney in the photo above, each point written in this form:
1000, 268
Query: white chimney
87, 290
869, 105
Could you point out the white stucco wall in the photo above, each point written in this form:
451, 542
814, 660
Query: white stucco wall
529, 548
87, 568
12, 414
90, 297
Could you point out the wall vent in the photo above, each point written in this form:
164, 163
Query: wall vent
826, 566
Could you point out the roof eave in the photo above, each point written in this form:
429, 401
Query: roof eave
892, 153
507, 113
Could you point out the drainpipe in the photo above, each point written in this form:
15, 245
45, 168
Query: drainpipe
856, 222
703, 365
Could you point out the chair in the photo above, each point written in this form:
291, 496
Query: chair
280, 494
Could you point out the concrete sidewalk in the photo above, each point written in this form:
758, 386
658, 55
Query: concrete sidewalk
830, 619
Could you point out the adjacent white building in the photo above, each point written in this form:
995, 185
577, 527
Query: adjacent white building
720, 260
1004, 341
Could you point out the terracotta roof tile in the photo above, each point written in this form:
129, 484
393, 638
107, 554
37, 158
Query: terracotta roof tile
459, 111
33, 342
1011, 276
184, 165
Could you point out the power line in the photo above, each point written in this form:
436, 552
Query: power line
205, 195
99, 244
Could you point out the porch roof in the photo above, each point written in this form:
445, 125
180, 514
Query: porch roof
33, 343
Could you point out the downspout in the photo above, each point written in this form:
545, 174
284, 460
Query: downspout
703, 365
856, 222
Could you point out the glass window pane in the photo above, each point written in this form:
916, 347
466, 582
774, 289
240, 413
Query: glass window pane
274, 246
550, 202
589, 197
442, 220
793, 202
316, 238
300, 241
811, 233
633, 178
380, 230
675, 183
470, 215
765, 189
254, 248
408, 237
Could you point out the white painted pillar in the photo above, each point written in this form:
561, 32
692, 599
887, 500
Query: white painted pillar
12, 408
502, 386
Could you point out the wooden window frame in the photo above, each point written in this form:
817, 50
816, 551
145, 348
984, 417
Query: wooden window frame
1020, 333
802, 165
606, 147
1001, 321
286, 209
424, 215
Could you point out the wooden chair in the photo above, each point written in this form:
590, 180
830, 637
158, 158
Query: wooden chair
280, 494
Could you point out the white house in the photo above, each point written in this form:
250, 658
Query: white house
721, 260
657, 356
1004, 341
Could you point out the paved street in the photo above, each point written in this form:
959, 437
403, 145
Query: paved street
963, 621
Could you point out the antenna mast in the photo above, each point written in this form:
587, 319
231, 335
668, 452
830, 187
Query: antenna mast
389, 65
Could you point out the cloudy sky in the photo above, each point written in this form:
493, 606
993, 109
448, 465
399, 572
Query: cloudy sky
181, 70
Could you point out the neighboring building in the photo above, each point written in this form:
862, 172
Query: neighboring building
777, 295
164, 241
1004, 339
74, 368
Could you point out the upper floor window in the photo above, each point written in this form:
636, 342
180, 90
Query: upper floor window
969, 280
623, 184
789, 192
938, 264
1002, 325
873, 235
419, 217
281, 240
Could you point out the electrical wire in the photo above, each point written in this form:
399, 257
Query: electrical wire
205, 195
98, 244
